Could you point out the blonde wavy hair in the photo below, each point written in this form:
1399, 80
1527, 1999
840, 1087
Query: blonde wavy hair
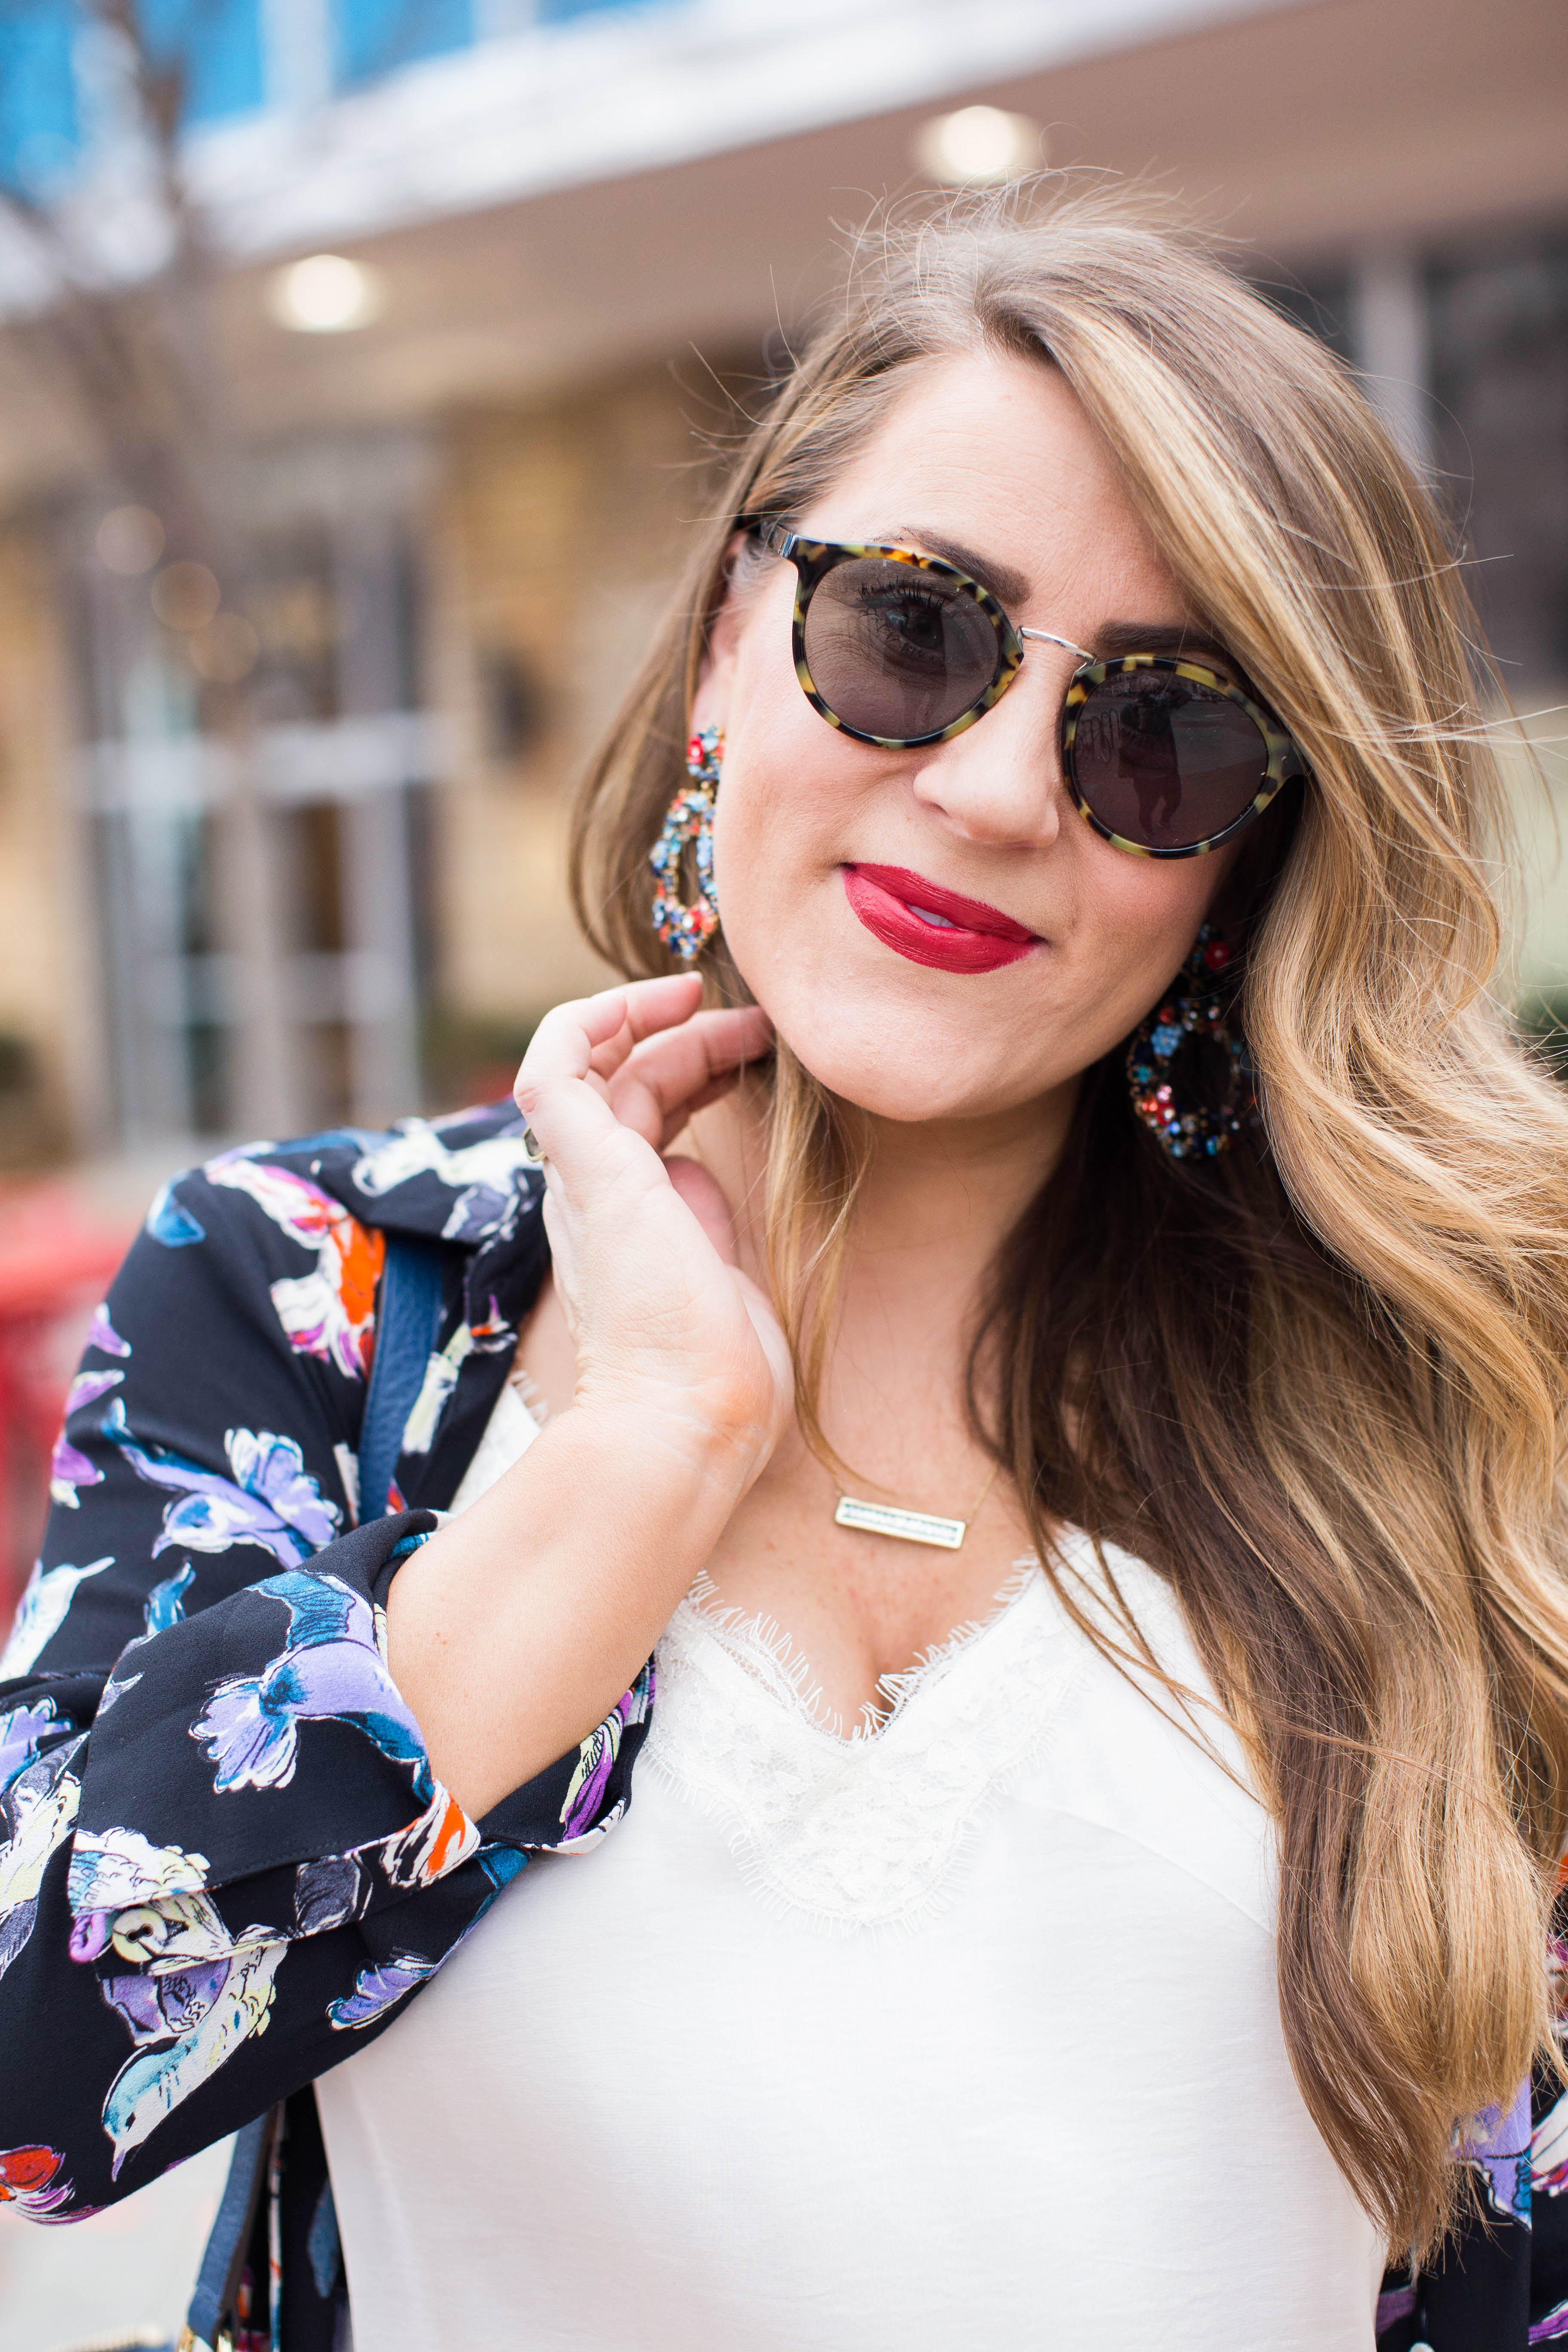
1321, 1386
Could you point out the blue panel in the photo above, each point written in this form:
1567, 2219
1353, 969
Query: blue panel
555, 12
216, 47
373, 38
39, 133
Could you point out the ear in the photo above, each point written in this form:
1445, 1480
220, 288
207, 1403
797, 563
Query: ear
710, 702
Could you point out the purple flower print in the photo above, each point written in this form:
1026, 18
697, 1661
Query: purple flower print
69, 1469
376, 1989
1498, 2144
20, 1732
271, 1499
102, 1335
331, 1670
596, 1758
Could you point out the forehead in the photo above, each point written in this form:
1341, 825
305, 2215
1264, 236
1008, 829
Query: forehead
996, 451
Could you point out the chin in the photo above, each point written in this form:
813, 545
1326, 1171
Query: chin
902, 1073
901, 1042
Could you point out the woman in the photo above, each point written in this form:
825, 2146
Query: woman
1075, 1424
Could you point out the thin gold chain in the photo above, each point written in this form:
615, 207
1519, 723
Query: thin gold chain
974, 1508
990, 1481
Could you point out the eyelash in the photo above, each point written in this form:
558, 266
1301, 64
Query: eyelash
911, 599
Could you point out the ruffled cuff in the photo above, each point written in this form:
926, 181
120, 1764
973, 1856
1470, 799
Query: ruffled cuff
255, 1775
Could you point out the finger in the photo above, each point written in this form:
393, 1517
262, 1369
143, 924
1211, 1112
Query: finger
670, 1076
597, 1033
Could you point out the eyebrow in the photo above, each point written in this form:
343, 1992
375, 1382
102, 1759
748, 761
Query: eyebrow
1109, 640
1009, 587
1114, 638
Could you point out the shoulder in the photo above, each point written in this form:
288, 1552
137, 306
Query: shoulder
316, 1211
464, 1178
264, 1265
468, 1179
1132, 1608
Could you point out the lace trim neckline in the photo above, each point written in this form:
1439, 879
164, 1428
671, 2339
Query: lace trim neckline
868, 1831
760, 1647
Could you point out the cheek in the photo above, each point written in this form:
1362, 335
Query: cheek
775, 841
785, 816
1140, 917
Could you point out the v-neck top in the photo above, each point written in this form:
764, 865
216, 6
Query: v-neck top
844, 2045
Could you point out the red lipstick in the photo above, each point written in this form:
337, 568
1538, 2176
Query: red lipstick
920, 919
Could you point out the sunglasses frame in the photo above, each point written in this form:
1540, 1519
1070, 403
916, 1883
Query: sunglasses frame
814, 559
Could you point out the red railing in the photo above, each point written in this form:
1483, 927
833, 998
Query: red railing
56, 1261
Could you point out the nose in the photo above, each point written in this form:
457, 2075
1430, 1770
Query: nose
1001, 781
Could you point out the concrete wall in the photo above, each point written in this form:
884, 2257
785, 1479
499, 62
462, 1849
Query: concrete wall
558, 534
47, 985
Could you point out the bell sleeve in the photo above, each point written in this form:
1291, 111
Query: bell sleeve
224, 1861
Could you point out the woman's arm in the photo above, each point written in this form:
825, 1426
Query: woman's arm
512, 1630
225, 1857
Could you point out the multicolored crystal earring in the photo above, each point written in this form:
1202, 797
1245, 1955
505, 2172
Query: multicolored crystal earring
1196, 1011
684, 928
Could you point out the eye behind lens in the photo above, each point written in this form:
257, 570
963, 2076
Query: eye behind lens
896, 651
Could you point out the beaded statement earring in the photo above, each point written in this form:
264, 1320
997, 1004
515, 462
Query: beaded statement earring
686, 929
1195, 1014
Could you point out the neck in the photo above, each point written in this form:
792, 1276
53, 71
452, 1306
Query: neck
937, 1199
940, 1198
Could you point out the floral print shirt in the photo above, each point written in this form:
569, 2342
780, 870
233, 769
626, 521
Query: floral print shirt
224, 1861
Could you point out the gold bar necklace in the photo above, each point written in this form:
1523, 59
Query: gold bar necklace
910, 1527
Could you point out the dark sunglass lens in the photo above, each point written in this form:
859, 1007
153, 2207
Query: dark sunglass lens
1164, 761
895, 651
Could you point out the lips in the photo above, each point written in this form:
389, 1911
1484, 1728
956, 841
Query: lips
920, 919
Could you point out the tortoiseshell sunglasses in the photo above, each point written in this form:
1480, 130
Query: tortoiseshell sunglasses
1163, 757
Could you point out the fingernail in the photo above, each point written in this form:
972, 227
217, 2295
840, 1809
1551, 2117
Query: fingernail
531, 1144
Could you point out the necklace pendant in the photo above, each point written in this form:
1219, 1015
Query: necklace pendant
909, 1527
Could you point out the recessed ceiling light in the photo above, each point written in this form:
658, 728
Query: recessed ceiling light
326, 294
130, 540
979, 146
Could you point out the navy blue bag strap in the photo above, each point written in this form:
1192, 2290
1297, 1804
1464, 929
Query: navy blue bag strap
218, 2281
407, 1322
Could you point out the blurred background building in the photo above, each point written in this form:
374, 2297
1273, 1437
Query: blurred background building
360, 367
355, 363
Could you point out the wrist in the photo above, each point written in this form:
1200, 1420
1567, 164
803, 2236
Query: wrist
702, 1431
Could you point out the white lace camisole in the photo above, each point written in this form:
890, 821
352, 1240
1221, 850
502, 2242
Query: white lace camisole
956, 2036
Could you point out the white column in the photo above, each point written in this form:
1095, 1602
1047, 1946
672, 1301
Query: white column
381, 998
1391, 340
297, 49
266, 1094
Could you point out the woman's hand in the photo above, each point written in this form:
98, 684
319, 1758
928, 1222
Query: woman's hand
663, 1320
516, 1628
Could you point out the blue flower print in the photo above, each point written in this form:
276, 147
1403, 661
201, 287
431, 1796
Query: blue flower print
331, 1670
171, 1222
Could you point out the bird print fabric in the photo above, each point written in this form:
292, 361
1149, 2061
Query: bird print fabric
225, 1860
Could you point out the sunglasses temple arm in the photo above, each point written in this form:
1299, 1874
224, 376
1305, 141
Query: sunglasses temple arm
1050, 637
777, 537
